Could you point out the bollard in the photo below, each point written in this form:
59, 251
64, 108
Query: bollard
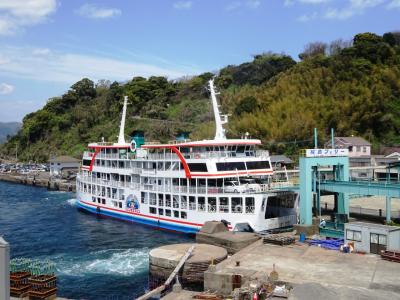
4, 269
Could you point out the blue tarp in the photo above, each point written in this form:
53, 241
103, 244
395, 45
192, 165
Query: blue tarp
327, 244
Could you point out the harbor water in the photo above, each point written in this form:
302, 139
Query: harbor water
96, 258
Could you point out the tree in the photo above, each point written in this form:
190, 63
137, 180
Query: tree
336, 46
84, 89
246, 105
372, 47
313, 49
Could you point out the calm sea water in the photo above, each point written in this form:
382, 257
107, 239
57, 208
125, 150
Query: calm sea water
96, 258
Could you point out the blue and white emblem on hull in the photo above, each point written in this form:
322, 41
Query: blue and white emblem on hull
132, 204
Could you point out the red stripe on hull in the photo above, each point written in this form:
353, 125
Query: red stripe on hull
142, 215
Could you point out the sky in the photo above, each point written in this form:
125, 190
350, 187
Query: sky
47, 45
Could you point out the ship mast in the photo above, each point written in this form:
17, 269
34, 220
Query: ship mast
219, 119
121, 137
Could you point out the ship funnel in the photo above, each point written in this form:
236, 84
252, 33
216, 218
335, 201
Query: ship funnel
121, 136
219, 119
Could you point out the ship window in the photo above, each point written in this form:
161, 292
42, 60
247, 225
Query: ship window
86, 162
249, 205
237, 204
160, 199
224, 204
93, 199
98, 200
240, 149
168, 200
103, 201
197, 167
183, 202
176, 214
161, 211
175, 201
201, 203
168, 212
231, 166
153, 210
252, 165
120, 205
212, 204
192, 203
183, 215
143, 197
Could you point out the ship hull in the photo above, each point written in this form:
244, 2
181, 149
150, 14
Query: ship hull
155, 222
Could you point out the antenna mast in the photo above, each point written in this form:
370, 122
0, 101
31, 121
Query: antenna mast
219, 119
121, 137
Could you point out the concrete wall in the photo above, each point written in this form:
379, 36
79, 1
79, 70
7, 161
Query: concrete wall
4, 270
394, 241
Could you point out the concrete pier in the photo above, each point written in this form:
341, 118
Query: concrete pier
164, 259
217, 234
301, 265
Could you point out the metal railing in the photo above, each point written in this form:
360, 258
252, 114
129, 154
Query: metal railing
173, 156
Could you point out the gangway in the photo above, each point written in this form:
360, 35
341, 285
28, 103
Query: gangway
361, 188
389, 190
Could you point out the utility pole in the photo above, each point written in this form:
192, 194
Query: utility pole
16, 152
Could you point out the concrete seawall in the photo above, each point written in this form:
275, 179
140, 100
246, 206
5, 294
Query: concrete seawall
40, 180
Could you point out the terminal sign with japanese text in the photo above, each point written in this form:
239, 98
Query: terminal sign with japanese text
326, 152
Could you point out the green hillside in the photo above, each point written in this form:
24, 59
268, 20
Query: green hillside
352, 87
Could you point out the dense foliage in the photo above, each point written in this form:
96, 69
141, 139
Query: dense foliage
352, 87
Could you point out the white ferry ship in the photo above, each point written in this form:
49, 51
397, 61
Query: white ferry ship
180, 185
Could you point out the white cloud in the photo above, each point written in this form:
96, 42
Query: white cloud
393, 4
67, 68
288, 3
17, 14
95, 12
363, 4
314, 1
253, 3
355, 7
339, 14
234, 5
41, 51
307, 17
6, 89
183, 5
350, 9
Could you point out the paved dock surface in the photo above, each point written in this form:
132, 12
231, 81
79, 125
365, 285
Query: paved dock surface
334, 273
